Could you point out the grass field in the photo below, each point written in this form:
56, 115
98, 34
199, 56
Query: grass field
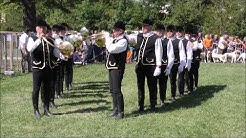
216, 109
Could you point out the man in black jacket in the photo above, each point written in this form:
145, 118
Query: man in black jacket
42, 52
116, 59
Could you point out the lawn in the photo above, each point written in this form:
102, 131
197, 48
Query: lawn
216, 109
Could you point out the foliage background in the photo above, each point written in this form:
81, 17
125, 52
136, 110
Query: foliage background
211, 16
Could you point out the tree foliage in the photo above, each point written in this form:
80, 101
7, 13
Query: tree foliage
211, 16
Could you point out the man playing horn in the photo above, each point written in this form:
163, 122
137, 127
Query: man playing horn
42, 53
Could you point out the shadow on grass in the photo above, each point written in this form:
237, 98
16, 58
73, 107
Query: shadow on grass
86, 110
85, 94
191, 100
95, 89
85, 102
85, 89
97, 85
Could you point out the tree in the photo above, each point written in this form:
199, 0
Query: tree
29, 8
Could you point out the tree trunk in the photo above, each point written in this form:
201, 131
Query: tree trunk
29, 14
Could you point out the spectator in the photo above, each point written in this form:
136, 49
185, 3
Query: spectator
77, 56
208, 45
23, 48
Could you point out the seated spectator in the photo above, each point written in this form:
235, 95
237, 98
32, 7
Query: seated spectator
77, 56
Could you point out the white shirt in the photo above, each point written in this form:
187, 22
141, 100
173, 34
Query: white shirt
170, 54
32, 45
197, 46
220, 44
23, 41
58, 40
119, 46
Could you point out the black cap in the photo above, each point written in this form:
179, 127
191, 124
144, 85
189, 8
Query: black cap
160, 26
119, 25
148, 22
179, 29
170, 28
41, 23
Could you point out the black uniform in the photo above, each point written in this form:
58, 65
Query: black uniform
42, 74
174, 70
194, 71
146, 64
181, 77
163, 78
116, 65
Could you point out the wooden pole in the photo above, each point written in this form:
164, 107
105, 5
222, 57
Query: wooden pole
1, 52
11, 52
5, 52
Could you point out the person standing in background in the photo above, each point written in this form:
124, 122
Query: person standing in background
180, 58
26, 58
167, 62
68, 65
208, 46
148, 63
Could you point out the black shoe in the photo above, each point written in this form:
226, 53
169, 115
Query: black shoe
190, 92
53, 105
113, 114
70, 87
173, 99
59, 97
152, 108
47, 113
140, 109
162, 104
37, 114
119, 116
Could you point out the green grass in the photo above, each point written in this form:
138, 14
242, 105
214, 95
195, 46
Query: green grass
217, 109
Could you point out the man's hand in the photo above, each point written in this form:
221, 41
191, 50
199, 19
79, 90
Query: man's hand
180, 68
188, 66
157, 71
167, 71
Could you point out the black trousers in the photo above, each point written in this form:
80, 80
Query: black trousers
162, 78
62, 74
26, 58
173, 79
52, 87
181, 81
193, 75
186, 78
41, 76
115, 80
68, 72
57, 80
147, 71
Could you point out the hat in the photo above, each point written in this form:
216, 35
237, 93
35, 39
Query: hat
160, 27
170, 28
179, 29
148, 22
119, 25
41, 23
